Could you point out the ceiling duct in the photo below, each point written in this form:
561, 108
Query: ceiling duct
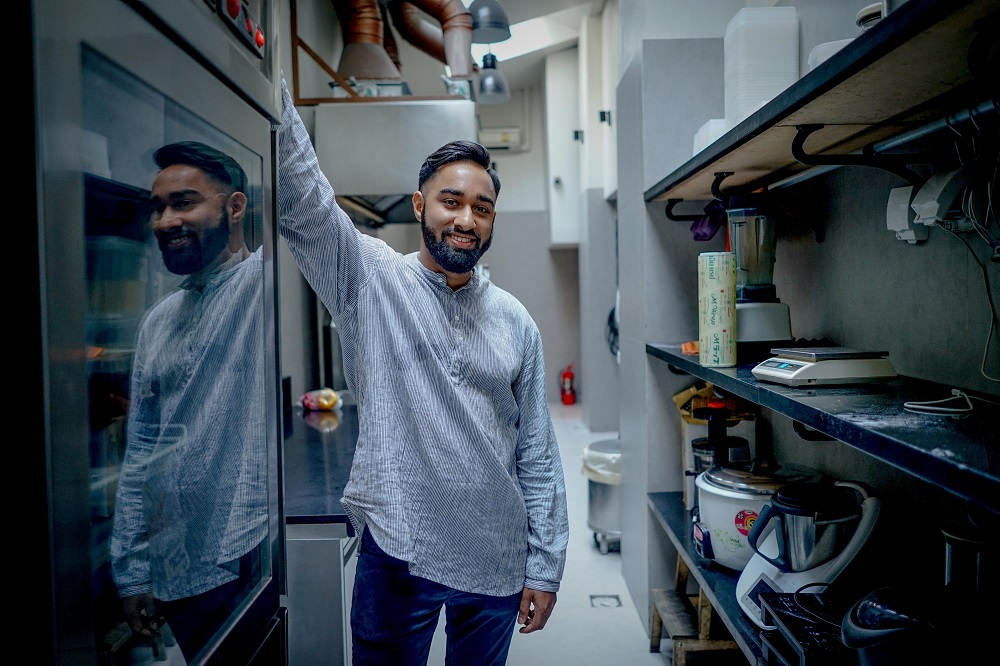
440, 28
447, 38
364, 55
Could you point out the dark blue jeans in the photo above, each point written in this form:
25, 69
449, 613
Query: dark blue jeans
394, 615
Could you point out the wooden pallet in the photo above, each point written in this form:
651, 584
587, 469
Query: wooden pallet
685, 619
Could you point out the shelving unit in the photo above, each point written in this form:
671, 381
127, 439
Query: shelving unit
958, 455
912, 68
923, 66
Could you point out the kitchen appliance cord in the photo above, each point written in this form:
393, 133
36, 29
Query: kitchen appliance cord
797, 598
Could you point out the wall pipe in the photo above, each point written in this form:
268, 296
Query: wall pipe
990, 106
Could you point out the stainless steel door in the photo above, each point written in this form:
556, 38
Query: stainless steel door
159, 375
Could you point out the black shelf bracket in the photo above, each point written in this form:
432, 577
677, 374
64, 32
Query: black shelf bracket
717, 184
808, 434
679, 218
892, 163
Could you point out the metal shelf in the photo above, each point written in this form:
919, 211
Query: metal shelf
958, 455
919, 64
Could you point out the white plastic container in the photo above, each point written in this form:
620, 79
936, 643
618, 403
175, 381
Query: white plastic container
823, 51
709, 132
761, 57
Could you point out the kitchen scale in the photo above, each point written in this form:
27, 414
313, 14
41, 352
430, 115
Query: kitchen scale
760, 576
824, 366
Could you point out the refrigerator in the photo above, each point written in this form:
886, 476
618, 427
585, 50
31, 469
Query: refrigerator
150, 470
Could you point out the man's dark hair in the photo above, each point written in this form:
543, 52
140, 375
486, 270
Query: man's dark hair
216, 164
458, 151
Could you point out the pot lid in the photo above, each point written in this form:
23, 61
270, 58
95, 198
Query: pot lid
742, 479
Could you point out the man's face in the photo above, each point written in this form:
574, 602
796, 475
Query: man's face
190, 219
456, 213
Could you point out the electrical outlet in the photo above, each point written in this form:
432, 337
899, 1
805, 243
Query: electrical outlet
957, 224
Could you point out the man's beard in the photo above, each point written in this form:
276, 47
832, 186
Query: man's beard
198, 252
453, 259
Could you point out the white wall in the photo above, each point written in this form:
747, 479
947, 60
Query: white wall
523, 188
563, 152
609, 83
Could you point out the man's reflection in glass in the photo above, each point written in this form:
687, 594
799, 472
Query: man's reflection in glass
191, 508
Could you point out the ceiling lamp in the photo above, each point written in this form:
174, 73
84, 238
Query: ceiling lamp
493, 88
489, 22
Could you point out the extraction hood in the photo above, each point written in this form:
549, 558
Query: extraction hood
372, 151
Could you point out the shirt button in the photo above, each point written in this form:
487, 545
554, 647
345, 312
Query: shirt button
456, 317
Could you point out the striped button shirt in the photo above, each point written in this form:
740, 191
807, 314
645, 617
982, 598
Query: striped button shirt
192, 496
457, 469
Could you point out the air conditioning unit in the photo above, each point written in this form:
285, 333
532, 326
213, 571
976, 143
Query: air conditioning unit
501, 138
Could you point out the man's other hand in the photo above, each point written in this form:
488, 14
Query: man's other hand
536, 606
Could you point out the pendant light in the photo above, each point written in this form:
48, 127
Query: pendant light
489, 22
493, 88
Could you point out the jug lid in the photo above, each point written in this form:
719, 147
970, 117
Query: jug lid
816, 496
742, 478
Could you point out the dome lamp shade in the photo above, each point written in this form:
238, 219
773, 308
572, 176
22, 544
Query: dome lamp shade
493, 88
489, 22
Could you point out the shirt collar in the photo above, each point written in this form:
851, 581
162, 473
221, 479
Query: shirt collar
201, 279
440, 279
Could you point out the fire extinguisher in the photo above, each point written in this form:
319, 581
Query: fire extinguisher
566, 386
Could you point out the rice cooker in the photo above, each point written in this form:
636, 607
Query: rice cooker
730, 497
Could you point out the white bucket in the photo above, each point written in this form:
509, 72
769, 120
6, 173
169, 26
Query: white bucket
601, 466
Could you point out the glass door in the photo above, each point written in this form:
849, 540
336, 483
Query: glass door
158, 301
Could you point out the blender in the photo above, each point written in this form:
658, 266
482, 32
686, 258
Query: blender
760, 316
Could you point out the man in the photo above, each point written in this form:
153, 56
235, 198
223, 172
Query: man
191, 507
457, 486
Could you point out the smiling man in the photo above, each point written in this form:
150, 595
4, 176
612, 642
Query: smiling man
191, 509
192, 216
457, 486
459, 189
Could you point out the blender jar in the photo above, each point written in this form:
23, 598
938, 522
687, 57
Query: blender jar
753, 237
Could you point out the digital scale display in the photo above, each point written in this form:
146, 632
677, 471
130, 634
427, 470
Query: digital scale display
781, 365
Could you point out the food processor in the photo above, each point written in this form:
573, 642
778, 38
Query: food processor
760, 315
805, 537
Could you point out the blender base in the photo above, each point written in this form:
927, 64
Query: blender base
756, 322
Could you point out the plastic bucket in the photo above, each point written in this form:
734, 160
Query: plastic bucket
601, 466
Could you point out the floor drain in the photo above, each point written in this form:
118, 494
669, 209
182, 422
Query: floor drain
605, 601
